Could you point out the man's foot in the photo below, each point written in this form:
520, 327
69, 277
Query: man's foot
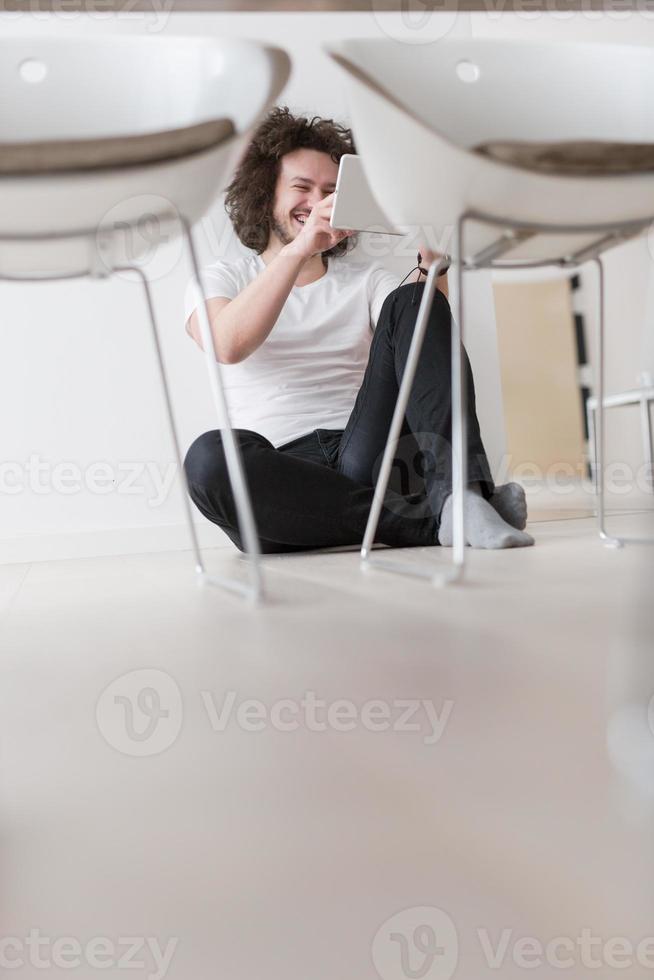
485, 528
510, 502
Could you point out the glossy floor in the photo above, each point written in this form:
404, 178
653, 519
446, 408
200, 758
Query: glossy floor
365, 777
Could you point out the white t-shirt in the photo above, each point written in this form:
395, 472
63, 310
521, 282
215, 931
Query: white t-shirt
308, 371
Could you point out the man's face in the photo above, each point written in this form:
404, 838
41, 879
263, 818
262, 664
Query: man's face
305, 177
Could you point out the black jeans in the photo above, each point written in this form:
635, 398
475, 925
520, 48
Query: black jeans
317, 490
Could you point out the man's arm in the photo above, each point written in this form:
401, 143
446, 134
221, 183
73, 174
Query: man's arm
240, 325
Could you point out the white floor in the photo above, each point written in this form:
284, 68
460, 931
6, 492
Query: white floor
278, 840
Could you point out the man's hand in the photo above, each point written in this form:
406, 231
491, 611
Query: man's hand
318, 235
428, 258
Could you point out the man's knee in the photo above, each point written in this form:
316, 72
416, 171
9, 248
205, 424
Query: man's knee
409, 298
404, 306
205, 464
210, 487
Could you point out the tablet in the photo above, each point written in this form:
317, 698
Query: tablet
354, 205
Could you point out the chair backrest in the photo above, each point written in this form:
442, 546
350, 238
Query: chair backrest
472, 91
86, 87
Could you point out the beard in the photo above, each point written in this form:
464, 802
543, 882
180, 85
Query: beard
286, 234
282, 231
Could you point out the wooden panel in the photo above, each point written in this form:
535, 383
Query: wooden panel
542, 402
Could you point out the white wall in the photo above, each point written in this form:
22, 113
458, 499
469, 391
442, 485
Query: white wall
78, 382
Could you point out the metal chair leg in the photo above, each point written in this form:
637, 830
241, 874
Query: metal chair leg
232, 584
592, 446
459, 426
438, 577
608, 539
199, 566
648, 446
235, 469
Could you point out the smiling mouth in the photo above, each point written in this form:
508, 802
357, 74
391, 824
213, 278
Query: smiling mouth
301, 217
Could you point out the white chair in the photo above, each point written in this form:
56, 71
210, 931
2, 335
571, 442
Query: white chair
97, 136
642, 397
509, 154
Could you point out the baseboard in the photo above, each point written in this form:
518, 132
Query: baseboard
107, 541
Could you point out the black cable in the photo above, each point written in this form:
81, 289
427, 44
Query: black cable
423, 272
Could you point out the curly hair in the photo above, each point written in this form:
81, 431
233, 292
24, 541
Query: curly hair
251, 194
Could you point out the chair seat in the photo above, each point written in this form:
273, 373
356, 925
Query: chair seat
56, 156
582, 158
574, 152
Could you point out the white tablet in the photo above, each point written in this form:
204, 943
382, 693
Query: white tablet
354, 205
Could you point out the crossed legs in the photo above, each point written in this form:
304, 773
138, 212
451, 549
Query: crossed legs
312, 502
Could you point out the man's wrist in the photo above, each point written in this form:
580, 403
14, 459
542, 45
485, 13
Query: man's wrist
292, 251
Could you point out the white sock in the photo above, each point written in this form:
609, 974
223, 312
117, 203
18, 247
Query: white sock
484, 526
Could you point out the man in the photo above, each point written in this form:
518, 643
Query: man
313, 345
